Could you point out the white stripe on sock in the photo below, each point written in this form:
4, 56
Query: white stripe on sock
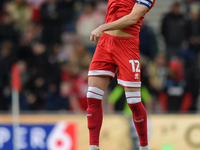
130, 94
92, 95
94, 92
133, 97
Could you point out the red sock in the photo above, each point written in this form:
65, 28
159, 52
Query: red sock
95, 117
139, 115
140, 121
94, 113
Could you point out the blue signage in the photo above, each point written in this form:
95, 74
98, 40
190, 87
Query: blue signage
39, 137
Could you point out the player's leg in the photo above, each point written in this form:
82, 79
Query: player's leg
102, 69
97, 86
133, 96
126, 55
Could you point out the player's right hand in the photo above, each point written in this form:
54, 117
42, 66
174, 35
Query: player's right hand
95, 35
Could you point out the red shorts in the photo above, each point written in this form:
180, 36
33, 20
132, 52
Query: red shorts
121, 52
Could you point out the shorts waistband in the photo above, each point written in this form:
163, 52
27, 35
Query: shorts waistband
104, 35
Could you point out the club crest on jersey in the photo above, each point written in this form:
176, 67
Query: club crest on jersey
136, 76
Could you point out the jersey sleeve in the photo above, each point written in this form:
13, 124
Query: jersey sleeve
146, 3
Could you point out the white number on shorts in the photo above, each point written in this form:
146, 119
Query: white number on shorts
133, 62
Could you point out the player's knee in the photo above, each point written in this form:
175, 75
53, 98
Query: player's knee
100, 82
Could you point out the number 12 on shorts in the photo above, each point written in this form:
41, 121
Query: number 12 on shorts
133, 63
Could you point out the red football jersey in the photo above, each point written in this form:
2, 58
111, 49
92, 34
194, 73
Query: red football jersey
119, 8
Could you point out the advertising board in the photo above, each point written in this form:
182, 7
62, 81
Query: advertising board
59, 136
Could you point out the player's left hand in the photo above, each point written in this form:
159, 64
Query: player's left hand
95, 35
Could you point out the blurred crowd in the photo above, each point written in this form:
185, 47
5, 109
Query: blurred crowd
49, 42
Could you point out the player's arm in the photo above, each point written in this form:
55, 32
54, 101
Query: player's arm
137, 12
